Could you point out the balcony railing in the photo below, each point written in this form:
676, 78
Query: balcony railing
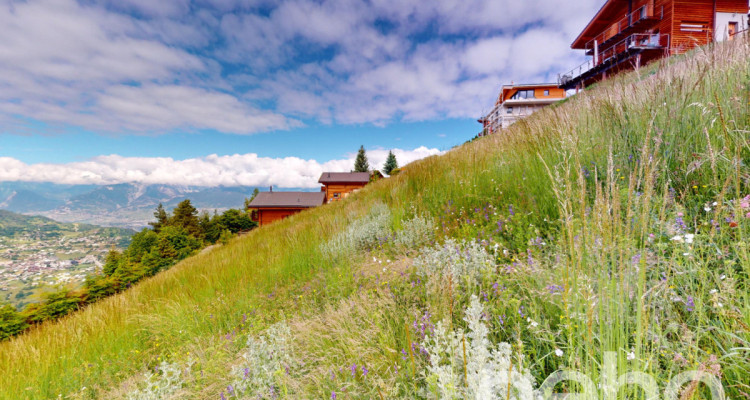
625, 26
615, 53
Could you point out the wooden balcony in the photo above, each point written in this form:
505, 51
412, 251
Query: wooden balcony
638, 21
613, 57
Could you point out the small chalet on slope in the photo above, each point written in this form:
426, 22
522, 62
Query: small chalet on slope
626, 34
516, 102
338, 185
268, 207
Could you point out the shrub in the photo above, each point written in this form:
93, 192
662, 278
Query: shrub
362, 234
165, 381
465, 365
11, 322
415, 233
464, 261
265, 359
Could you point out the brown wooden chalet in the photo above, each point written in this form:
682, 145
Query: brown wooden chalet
268, 207
626, 34
338, 185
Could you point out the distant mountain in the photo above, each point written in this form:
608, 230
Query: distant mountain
123, 205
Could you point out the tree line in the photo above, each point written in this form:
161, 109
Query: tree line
170, 238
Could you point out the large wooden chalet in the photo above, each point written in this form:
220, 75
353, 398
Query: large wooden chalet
626, 34
338, 185
272, 206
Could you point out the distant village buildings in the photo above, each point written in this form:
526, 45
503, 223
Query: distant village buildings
338, 185
516, 102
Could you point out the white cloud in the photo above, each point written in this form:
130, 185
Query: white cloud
212, 170
244, 67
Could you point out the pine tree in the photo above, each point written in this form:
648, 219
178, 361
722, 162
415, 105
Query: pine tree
161, 218
251, 198
186, 216
390, 163
360, 163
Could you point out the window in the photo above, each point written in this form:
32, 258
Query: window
546, 93
509, 110
732, 29
523, 95
336, 195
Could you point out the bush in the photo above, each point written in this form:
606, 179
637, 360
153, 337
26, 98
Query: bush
465, 365
415, 233
11, 322
264, 359
362, 234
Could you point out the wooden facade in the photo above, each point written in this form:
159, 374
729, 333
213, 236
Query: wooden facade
626, 34
338, 185
268, 207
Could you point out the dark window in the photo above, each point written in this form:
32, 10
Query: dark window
510, 110
523, 95
336, 195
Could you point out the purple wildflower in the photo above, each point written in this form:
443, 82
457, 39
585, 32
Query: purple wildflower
502, 319
333, 395
354, 369
510, 210
247, 373
230, 390
222, 396
690, 304
364, 371
520, 312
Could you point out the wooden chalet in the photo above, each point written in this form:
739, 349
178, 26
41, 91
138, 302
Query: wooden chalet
338, 185
516, 102
268, 207
626, 34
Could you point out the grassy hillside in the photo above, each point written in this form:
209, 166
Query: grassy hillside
615, 222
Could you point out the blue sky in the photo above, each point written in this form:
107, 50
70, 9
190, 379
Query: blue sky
258, 92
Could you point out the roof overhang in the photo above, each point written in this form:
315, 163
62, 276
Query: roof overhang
601, 21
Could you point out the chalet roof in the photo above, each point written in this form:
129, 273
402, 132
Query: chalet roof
604, 18
344, 177
287, 200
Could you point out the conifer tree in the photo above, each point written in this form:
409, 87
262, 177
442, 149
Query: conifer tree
390, 163
161, 218
186, 216
360, 163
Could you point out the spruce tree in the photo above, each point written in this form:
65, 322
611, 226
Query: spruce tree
390, 163
161, 218
360, 163
186, 216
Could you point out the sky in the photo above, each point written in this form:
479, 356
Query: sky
256, 92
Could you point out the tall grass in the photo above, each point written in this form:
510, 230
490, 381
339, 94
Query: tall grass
586, 208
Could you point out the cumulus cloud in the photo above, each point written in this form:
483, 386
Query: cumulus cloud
245, 67
213, 170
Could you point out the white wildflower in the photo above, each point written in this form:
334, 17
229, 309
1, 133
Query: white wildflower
689, 238
713, 291
631, 356
722, 277
677, 239
558, 352
707, 209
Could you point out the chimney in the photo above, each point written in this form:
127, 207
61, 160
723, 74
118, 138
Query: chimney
271, 188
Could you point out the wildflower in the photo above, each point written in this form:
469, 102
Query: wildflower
364, 371
677, 238
712, 291
354, 369
333, 395
690, 304
532, 323
707, 208
689, 238
222, 396
722, 277
558, 352
745, 203
631, 356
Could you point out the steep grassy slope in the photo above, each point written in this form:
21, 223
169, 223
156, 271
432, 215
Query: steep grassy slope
614, 222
